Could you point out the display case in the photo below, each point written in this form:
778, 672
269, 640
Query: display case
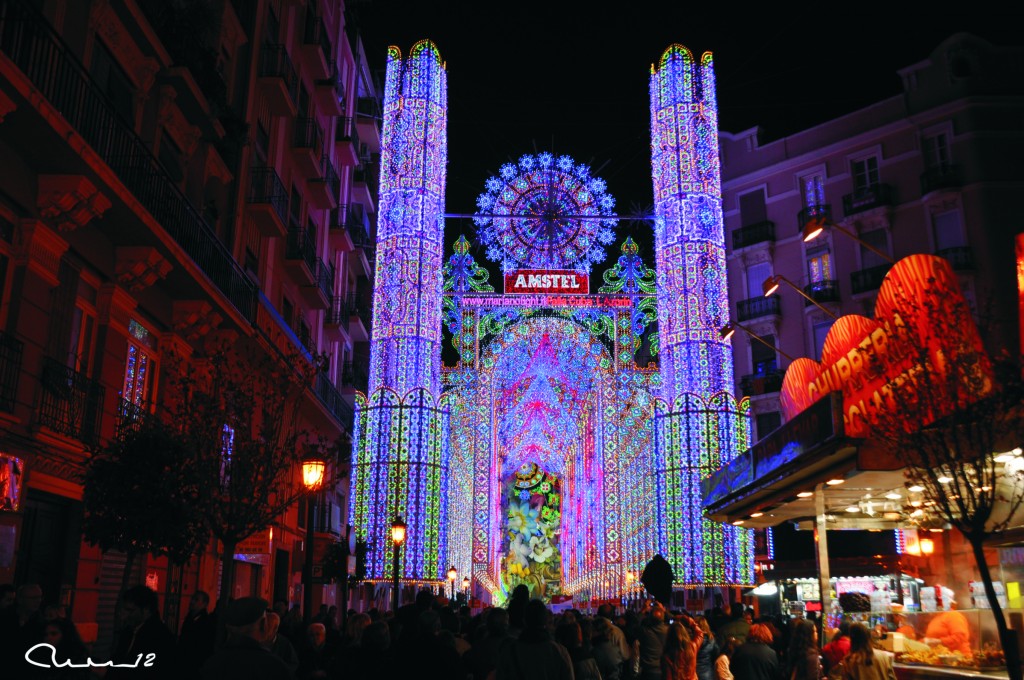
957, 639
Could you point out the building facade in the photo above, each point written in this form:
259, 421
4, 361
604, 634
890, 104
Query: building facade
169, 176
930, 170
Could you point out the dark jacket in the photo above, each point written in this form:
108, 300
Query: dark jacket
706, 657
152, 637
242, 658
754, 661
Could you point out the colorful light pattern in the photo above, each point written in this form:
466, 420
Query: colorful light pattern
546, 455
526, 215
699, 426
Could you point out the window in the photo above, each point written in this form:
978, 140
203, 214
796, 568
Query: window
865, 174
813, 188
170, 157
752, 209
295, 208
762, 355
767, 423
820, 331
227, 449
879, 241
946, 227
140, 367
113, 82
936, 151
83, 334
819, 265
756, 274
288, 312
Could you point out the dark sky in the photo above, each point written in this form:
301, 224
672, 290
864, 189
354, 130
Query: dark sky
571, 77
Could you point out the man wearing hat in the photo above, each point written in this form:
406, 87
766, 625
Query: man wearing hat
242, 657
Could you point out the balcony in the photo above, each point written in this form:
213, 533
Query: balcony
323, 191
357, 222
316, 46
360, 318
346, 142
368, 118
307, 147
300, 256
332, 400
305, 337
318, 296
330, 93
761, 232
337, 234
813, 212
267, 201
355, 375
364, 186
756, 384
960, 258
757, 307
826, 290
335, 319
71, 402
278, 80
940, 177
867, 198
10, 368
869, 279
130, 417
28, 41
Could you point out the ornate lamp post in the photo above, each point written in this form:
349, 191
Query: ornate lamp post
465, 589
312, 477
452, 574
397, 538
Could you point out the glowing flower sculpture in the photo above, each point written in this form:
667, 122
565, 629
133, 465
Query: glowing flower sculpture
545, 213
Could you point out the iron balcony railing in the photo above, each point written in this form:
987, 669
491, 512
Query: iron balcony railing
756, 384
826, 290
346, 132
31, 44
753, 308
760, 232
325, 278
71, 402
308, 135
331, 178
331, 398
301, 245
869, 279
315, 33
275, 63
368, 176
130, 417
368, 107
355, 375
867, 198
940, 177
337, 313
357, 224
10, 369
305, 336
265, 186
361, 309
812, 212
961, 257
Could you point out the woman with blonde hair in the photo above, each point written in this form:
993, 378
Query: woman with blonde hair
864, 662
679, 659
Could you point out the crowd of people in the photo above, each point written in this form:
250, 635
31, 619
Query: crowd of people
428, 639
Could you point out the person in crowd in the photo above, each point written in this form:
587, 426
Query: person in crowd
354, 627
534, 655
143, 639
198, 633
318, 655
864, 662
900, 625
570, 635
722, 663
278, 644
837, 649
482, 658
679, 658
609, 653
371, 659
803, 659
652, 641
428, 654
754, 659
243, 656
708, 652
67, 644
517, 609
952, 630
21, 624
616, 634
737, 626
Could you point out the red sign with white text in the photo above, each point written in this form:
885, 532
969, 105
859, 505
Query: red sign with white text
564, 281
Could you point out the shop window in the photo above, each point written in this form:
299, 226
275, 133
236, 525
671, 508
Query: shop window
113, 82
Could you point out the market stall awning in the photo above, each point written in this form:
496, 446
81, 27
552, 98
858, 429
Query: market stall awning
774, 480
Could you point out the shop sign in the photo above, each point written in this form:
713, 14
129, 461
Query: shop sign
257, 544
522, 281
868, 359
556, 301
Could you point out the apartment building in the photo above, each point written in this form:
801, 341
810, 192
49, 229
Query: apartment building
172, 172
932, 169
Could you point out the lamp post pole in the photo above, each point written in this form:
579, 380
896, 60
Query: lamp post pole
312, 477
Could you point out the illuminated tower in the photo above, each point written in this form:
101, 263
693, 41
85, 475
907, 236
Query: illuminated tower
400, 462
699, 426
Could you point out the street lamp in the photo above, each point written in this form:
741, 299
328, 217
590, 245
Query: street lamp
452, 574
814, 227
465, 589
397, 538
771, 284
313, 467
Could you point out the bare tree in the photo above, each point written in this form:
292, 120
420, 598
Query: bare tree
948, 412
